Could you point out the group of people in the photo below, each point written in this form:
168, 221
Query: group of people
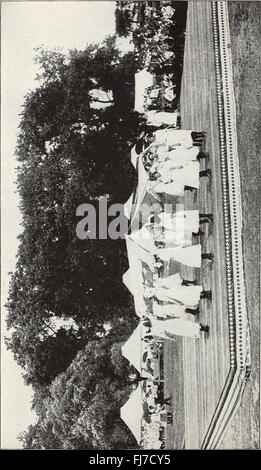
154, 428
156, 411
154, 26
161, 94
171, 158
170, 304
156, 416
153, 436
155, 46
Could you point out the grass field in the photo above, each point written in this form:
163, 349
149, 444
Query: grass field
245, 20
197, 378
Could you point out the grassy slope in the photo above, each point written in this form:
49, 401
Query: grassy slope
245, 42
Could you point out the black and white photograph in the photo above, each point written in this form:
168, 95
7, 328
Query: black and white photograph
130, 226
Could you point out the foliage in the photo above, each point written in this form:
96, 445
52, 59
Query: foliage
82, 406
76, 131
77, 128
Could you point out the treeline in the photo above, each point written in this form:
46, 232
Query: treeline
80, 409
76, 131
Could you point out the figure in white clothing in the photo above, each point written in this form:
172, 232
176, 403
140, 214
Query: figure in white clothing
181, 290
182, 251
167, 311
176, 327
179, 155
186, 154
173, 189
175, 280
161, 137
167, 11
169, 237
179, 137
169, 93
187, 220
189, 255
182, 174
168, 54
159, 118
187, 178
178, 294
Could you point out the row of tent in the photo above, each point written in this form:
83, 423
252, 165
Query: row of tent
132, 411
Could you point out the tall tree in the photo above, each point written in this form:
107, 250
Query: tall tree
82, 406
71, 149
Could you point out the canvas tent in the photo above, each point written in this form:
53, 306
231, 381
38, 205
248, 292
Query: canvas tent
136, 199
139, 252
134, 157
133, 278
143, 239
143, 80
134, 282
131, 350
143, 179
128, 206
131, 413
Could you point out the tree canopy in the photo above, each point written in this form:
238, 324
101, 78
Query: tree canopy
76, 131
81, 408
75, 135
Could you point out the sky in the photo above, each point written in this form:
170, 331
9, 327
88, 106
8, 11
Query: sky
25, 26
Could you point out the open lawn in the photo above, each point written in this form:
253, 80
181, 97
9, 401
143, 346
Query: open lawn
199, 374
245, 20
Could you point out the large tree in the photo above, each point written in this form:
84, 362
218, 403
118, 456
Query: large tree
76, 131
81, 409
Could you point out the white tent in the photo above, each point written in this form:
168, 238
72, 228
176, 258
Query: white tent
131, 350
128, 206
133, 278
128, 280
140, 191
134, 282
143, 239
131, 413
176, 327
139, 252
134, 157
143, 80
143, 179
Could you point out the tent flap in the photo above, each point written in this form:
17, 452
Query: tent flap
131, 413
131, 350
127, 206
